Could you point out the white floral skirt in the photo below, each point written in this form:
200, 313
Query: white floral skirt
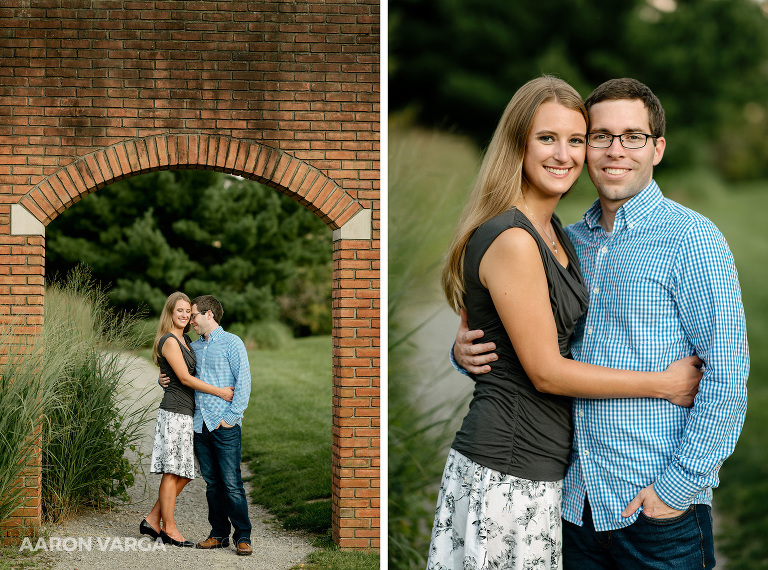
488, 520
173, 450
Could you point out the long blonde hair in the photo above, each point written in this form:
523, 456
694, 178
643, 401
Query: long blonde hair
166, 321
500, 179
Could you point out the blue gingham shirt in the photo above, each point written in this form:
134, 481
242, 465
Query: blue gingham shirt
221, 361
663, 286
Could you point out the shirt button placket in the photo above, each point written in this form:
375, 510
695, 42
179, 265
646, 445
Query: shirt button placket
599, 258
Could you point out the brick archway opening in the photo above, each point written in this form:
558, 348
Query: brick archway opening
355, 397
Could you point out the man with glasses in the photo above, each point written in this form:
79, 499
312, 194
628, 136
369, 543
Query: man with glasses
221, 361
662, 285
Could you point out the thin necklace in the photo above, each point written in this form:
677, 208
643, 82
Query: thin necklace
554, 247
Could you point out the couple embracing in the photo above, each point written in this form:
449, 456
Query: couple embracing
207, 386
594, 436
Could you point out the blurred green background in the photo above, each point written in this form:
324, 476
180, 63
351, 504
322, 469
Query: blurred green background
453, 66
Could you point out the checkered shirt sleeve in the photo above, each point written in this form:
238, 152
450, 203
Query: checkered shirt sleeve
663, 285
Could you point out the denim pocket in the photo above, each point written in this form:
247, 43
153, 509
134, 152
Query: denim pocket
668, 521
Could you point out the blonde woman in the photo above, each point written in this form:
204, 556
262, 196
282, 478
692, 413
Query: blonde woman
173, 450
513, 270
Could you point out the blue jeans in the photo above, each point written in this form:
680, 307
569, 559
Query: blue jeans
680, 543
218, 453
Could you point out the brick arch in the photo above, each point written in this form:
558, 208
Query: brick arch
286, 93
355, 398
269, 166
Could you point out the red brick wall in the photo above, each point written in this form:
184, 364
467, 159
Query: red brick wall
356, 394
283, 92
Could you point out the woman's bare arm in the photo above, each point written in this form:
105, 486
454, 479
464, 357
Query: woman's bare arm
172, 353
513, 272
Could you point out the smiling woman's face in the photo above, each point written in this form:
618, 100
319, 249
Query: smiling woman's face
555, 149
181, 313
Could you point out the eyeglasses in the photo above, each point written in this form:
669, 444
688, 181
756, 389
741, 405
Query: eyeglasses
627, 140
193, 315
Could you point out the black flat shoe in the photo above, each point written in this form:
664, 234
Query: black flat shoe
168, 540
146, 528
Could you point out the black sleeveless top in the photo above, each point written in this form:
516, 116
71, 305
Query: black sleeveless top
178, 398
511, 427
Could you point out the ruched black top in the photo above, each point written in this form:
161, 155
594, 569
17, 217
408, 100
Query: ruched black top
511, 427
178, 398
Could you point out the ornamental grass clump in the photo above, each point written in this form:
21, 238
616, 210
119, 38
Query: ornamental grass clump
86, 436
91, 424
26, 395
429, 174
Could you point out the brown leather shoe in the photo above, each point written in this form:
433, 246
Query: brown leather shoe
212, 542
244, 549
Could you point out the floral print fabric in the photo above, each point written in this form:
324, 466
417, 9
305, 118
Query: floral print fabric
486, 520
173, 448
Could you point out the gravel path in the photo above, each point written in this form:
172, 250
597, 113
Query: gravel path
114, 537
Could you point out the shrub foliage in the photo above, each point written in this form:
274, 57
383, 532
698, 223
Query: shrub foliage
264, 256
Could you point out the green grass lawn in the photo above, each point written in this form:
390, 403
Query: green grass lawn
287, 444
287, 432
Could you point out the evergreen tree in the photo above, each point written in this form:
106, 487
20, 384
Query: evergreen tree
264, 256
456, 63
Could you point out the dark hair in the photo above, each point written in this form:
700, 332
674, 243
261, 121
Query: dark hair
207, 303
628, 88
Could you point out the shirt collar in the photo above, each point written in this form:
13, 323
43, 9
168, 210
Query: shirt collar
592, 215
213, 334
631, 212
